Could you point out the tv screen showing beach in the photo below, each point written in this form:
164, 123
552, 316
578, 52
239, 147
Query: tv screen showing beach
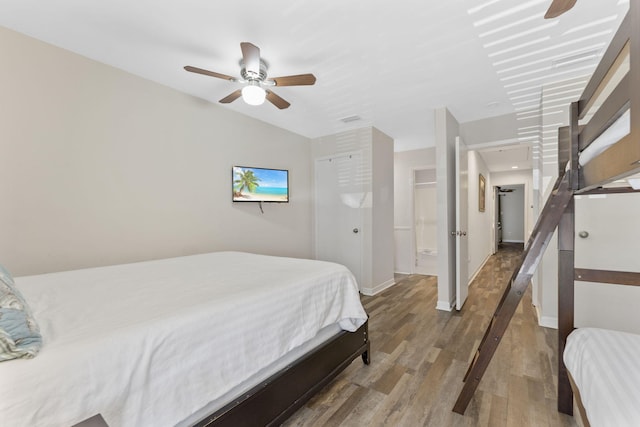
260, 185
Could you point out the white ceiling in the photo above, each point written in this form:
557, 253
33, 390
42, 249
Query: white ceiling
390, 63
506, 158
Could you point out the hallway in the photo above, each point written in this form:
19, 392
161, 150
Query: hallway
419, 356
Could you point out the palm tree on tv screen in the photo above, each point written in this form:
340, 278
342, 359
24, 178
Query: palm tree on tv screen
246, 179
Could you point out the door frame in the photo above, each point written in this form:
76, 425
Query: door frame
496, 217
414, 245
462, 222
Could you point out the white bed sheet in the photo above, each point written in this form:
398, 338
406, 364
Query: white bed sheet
151, 343
605, 366
614, 133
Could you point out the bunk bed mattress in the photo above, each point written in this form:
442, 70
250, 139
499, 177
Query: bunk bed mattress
604, 366
151, 343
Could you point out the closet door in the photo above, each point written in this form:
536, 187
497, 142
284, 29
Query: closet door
339, 201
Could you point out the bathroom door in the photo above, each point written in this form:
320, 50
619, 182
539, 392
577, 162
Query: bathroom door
340, 198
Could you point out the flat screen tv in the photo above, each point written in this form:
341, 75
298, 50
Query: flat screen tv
260, 185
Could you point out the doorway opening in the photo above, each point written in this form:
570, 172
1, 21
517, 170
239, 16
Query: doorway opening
509, 215
425, 221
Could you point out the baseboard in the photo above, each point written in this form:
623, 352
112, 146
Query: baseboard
479, 268
445, 305
512, 241
377, 289
546, 321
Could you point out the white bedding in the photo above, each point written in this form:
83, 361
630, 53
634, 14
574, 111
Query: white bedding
614, 133
151, 343
605, 367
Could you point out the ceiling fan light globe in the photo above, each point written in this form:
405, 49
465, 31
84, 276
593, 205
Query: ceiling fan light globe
253, 95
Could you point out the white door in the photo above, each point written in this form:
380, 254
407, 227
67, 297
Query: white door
497, 223
339, 201
462, 201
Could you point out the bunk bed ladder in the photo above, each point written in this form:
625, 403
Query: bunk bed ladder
549, 218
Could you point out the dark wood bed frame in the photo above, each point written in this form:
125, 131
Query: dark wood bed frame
278, 397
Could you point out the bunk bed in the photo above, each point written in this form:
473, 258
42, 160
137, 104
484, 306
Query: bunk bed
599, 148
216, 339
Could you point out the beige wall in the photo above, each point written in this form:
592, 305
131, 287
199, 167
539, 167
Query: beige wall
491, 129
382, 218
480, 224
100, 167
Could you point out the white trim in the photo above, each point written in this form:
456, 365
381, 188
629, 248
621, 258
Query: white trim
512, 241
498, 143
402, 227
402, 272
546, 321
479, 268
377, 289
445, 306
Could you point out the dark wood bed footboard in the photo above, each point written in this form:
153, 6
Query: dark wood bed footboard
578, 402
278, 397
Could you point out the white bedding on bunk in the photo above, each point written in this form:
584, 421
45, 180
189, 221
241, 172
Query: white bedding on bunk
620, 128
605, 366
151, 343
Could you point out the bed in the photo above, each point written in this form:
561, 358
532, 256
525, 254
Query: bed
224, 338
600, 150
604, 369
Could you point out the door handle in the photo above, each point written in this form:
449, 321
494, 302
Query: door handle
355, 231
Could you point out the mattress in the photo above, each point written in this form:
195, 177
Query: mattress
152, 343
604, 366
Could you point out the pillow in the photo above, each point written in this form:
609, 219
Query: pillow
19, 333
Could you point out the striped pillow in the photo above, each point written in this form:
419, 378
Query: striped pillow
19, 333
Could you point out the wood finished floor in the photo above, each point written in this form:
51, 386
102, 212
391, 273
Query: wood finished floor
419, 356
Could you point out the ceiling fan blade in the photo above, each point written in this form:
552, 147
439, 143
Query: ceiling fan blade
209, 73
231, 97
298, 80
251, 57
558, 7
276, 100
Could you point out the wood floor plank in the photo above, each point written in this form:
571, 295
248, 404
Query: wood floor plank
420, 354
389, 379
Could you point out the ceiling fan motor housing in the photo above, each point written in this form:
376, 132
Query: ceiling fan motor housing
250, 75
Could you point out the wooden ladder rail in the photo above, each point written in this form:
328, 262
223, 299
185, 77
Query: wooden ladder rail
549, 218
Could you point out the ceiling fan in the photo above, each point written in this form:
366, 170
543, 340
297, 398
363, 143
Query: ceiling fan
505, 190
253, 72
558, 7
